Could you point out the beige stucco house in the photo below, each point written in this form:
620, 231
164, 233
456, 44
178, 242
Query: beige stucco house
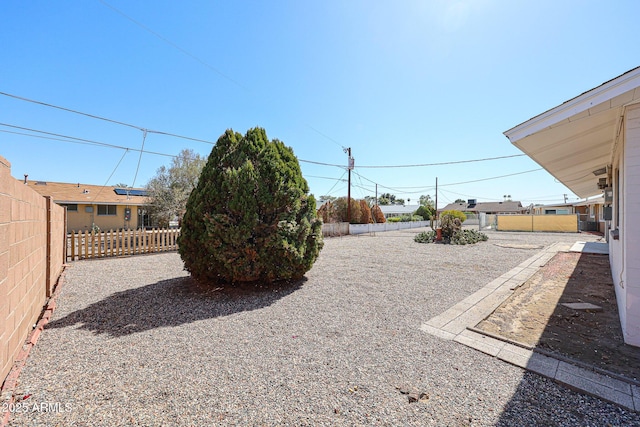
591, 144
107, 207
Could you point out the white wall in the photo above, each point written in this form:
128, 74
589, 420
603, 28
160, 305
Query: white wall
386, 226
630, 227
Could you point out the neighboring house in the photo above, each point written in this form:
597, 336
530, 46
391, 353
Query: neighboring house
109, 208
591, 143
591, 213
491, 208
390, 211
555, 209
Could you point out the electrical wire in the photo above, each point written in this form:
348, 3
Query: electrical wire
93, 116
75, 140
144, 137
172, 44
334, 185
108, 179
442, 163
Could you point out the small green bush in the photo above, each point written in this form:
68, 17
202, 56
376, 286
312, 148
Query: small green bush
425, 212
452, 233
394, 219
468, 237
455, 214
450, 225
425, 237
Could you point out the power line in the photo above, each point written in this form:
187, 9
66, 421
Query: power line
93, 116
108, 179
144, 137
75, 140
443, 163
174, 45
493, 177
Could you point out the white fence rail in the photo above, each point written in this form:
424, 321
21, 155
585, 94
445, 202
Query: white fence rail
386, 226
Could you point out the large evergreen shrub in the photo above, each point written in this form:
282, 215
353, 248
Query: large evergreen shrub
250, 217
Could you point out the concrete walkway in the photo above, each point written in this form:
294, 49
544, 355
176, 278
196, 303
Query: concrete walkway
457, 324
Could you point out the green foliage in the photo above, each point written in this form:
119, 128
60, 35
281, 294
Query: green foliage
405, 218
468, 237
425, 212
450, 225
452, 232
455, 214
250, 216
386, 199
425, 237
169, 189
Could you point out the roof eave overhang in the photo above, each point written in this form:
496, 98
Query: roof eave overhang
577, 137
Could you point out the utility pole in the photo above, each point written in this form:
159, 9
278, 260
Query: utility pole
436, 198
349, 167
565, 198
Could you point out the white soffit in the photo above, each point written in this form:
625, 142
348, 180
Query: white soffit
576, 138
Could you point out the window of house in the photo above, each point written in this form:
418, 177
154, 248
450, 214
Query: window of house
71, 207
107, 209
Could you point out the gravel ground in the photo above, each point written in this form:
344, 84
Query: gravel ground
135, 342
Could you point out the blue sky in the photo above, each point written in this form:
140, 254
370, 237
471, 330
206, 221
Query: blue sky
401, 83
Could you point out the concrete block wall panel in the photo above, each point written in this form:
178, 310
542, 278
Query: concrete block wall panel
24, 269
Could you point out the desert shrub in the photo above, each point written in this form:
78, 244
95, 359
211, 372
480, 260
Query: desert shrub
425, 237
425, 212
394, 219
365, 213
250, 216
468, 237
378, 215
328, 212
341, 209
450, 225
455, 214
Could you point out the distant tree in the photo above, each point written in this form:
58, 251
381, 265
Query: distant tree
389, 199
169, 189
378, 215
371, 201
327, 198
426, 212
121, 185
328, 212
460, 201
341, 208
426, 200
365, 213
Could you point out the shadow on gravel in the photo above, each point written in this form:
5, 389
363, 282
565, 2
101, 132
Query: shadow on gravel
171, 302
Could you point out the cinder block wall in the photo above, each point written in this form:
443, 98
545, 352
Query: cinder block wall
24, 269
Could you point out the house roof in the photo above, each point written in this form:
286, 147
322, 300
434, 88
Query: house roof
592, 201
398, 209
62, 192
576, 138
509, 206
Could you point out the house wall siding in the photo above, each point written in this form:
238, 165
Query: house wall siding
82, 220
631, 224
24, 270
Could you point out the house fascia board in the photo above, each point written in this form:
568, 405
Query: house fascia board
603, 93
74, 202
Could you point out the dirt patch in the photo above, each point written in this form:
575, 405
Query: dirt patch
534, 314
